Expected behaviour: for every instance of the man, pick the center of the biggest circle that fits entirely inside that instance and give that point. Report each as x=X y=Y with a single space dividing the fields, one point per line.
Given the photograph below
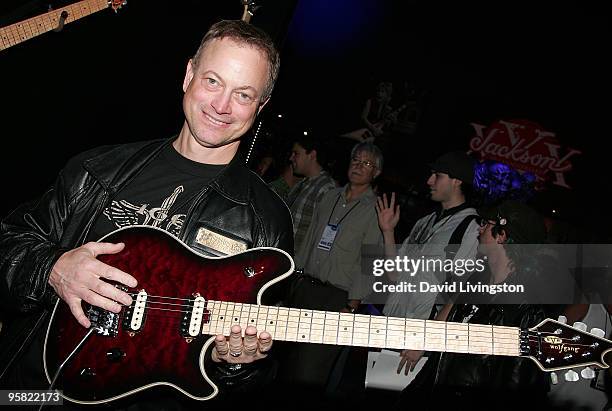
x=330 y=255
x=465 y=381
x=307 y=159
x=189 y=185
x=448 y=232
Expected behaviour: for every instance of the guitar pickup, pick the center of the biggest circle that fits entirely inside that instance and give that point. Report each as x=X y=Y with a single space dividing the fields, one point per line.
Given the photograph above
x=195 y=316
x=135 y=314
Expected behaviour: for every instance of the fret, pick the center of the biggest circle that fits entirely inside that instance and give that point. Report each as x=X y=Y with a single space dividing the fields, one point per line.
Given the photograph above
x=271 y=319
x=243 y=315
x=415 y=334
x=217 y=318
x=505 y=340
x=396 y=329
x=304 y=325
x=457 y=337
x=293 y=321
x=317 y=327
x=223 y=326
x=236 y=315
x=252 y=314
x=330 y=332
x=435 y=335
x=378 y=332
x=206 y=325
x=481 y=339
x=281 y=324
x=345 y=329
x=361 y=330
x=262 y=316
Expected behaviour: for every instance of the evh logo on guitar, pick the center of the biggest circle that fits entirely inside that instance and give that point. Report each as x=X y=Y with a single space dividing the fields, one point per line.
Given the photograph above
x=185 y=299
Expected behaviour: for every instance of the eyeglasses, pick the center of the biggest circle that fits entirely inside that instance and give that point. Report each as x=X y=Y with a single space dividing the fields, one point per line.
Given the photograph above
x=482 y=222
x=367 y=164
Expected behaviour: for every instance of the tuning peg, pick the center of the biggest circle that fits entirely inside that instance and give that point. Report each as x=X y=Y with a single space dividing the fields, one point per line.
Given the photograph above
x=554 y=379
x=571 y=376
x=598 y=332
x=562 y=319
x=587 y=373
x=580 y=326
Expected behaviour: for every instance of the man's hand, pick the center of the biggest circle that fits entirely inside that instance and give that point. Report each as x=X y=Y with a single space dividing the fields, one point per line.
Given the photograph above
x=76 y=276
x=236 y=349
x=409 y=358
x=388 y=213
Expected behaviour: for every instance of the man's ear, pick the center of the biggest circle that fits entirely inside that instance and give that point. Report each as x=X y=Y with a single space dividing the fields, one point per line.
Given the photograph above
x=188 y=75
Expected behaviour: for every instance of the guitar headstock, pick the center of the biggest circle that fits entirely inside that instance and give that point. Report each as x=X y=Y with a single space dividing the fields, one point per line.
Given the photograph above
x=557 y=346
x=250 y=6
x=117 y=4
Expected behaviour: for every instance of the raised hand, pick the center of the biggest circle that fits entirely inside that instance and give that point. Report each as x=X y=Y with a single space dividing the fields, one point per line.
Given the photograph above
x=409 y=359
x=388 y=213
x=77 y=276
x=236 y=349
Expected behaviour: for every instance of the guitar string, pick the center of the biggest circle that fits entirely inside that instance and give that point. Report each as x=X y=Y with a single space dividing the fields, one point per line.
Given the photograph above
x=148 y=306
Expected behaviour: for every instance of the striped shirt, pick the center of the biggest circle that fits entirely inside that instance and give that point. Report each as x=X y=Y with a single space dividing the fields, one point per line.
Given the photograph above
x=302 y=200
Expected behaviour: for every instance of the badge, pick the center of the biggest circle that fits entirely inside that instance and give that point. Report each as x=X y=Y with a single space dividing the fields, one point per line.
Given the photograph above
x=327 y=239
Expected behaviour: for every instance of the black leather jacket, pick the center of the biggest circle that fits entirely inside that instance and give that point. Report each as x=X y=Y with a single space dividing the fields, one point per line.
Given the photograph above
x=33 y=236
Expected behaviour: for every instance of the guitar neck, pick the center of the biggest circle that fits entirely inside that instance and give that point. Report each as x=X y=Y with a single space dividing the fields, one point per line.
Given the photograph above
x=35 y=26
x=328 y=327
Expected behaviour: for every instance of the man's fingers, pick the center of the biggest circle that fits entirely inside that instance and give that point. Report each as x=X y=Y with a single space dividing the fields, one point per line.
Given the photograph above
x=104 y=248
x=100 y=301
x=114 y=274
x=235 y=341
x=401 y=364
x=221 y=345
x=77 y=312
x=109 y=291
x=264 y=342
x=250 y=340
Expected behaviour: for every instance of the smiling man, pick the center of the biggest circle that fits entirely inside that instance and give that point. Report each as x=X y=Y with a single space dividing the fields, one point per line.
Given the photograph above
x=194 y=186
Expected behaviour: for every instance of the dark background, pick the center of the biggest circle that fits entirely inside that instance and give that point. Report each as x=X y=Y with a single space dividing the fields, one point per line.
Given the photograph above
x=110 y=78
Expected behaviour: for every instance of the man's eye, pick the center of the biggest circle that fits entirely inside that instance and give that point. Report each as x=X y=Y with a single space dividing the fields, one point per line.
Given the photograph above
x=211 y=81
x=244 y=97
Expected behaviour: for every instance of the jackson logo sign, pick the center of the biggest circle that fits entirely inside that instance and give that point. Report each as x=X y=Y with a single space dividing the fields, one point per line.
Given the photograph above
x=525 y=146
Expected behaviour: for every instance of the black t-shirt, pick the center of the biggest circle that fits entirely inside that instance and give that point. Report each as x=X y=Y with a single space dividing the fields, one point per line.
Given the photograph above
x=160 y=195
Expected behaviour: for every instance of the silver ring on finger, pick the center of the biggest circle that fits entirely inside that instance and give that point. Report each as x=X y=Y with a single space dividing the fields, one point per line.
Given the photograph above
x=235 y=354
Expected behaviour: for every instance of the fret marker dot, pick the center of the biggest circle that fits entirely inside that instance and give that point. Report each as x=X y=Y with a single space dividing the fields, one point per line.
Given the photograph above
x=271 y=322
x=252 y=321
x=303 y=336
x=221 y=317
x=414 y=334
x=377 y=331
x=344 y=328
x=235 y=318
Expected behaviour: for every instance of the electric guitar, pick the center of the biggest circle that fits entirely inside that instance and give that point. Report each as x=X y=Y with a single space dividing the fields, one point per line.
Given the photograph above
x=184 y=299
x=363 y=134
x=53 y=20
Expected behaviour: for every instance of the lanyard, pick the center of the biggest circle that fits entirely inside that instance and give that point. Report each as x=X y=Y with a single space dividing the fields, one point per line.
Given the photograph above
x=344 y=216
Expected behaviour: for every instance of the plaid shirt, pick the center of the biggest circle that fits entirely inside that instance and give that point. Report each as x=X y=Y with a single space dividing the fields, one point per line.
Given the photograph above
x=302 y=200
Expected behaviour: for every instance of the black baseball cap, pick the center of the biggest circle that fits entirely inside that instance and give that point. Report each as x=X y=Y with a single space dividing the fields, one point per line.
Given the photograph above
x=457 y=164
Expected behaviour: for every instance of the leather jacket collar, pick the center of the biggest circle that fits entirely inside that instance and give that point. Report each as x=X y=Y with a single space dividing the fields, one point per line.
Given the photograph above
x=230 y=182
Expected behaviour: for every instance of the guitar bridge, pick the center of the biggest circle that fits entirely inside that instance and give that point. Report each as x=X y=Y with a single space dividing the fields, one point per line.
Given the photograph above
x=105 y=323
